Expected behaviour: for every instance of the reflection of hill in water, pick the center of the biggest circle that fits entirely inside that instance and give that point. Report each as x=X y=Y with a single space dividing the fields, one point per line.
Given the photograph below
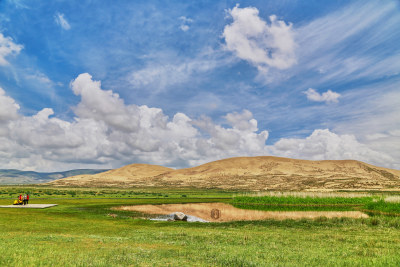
x=230 y=213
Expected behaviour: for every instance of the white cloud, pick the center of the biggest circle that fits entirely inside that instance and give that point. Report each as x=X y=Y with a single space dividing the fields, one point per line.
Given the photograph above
x=184 y=27
x=19 y=3
x=62 y=21
x=353 y=42
x=263 y=45
x=243 y=121
x=8 y=107
x=350 y=43
x=185 y=19
x=40 y=77
x=375 y=120
x=326 y=145
x=109 y=133
x=327 y=97
x=242 y=139
x=7 y=47
x=185 y=23
x=103 y=105
x=159 y=76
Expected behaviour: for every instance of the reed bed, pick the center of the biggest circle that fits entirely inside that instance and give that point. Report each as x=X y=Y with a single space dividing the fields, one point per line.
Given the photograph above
x=392 y=199
x=302 y=202
x=308 y=194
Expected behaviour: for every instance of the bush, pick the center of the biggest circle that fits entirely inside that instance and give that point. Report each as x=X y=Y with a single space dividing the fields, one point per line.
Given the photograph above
x=374 y=221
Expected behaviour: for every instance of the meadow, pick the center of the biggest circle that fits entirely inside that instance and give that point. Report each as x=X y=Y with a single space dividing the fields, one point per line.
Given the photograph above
x=292 y=203
x=83 y=231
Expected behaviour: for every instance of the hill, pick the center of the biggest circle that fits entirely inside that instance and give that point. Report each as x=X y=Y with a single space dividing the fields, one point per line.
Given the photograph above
x=10 y=176
x=130 y=175
x=249 y=173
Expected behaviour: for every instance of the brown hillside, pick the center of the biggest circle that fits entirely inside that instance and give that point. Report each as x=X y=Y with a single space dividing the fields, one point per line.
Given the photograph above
x=249 y=173
x=138 y=174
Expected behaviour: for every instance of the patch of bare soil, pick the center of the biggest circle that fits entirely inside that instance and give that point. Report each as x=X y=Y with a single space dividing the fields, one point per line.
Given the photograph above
x=221 y=212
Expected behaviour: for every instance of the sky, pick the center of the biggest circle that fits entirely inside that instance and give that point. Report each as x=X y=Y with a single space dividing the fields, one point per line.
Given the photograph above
x=103 y=84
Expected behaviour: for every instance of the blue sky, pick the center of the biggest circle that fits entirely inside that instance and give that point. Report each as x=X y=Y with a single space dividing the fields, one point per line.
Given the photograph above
x=94 y=84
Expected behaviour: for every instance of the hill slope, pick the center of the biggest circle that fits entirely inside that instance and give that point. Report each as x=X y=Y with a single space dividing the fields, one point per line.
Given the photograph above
x=29 y=177
x=249 y=173
x=133 y=174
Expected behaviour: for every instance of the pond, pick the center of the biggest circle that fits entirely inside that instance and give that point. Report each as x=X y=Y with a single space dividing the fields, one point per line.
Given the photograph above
x=222 y=212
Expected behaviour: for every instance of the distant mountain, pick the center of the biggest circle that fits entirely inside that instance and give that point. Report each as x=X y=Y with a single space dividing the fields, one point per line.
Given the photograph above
x=130 y=175
x=248 y=173
x=30 y=177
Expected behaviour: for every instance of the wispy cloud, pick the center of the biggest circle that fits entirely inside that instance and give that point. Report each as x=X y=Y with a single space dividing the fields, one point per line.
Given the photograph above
x=18 y=3
x=39 y=77
x=185 y=22
x=163 y=73
x=162 y=76
x=351 y=43
x=62 y=21
x=8 y=47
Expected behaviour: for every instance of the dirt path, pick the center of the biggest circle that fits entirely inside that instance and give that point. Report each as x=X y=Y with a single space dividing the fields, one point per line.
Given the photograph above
x=29 y=206
x=221 y=212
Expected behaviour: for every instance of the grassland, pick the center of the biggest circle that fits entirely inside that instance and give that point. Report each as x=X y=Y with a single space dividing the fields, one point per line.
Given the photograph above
x=292 y=203
x=80 y=232
x=369 y=203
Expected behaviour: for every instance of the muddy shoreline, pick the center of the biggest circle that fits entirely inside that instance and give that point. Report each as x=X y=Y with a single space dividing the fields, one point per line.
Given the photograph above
x=222 y=212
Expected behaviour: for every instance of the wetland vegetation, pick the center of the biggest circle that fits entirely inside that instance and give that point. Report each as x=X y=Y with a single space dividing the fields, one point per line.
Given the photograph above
x=80 y=231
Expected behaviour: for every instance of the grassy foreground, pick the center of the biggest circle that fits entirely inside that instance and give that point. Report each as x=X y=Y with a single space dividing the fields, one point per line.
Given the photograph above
x=79 y=232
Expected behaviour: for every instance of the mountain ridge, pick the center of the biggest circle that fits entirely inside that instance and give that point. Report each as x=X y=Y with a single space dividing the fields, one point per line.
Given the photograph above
x=14 y=176
x=248 y=173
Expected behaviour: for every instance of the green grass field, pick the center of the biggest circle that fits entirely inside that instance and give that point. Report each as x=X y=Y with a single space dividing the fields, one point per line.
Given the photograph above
x=293 y=203
x=79 y=232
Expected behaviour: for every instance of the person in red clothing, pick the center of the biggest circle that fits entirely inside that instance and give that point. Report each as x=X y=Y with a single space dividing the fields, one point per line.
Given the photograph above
x=20 y=197
x=27 y=198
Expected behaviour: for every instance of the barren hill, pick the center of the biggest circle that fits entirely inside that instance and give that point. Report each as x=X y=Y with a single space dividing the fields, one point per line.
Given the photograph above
x=133 y=174
x=249 y=173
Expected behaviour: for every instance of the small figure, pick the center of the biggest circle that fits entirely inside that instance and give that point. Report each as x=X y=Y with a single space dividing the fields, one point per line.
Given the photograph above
x=24 y=199
x=27 y=198
x=17 y=202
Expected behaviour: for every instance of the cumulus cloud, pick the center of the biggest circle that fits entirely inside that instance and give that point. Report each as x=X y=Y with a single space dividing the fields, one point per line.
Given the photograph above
x=327 y=97
x=240 y=139
x=376 y=120
x=185 y=22
x=107 y=132
x=323 y=144
x=7 y=47
x=103 y=105
x=8 y=107
x=62 y=21
x=263 y=45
